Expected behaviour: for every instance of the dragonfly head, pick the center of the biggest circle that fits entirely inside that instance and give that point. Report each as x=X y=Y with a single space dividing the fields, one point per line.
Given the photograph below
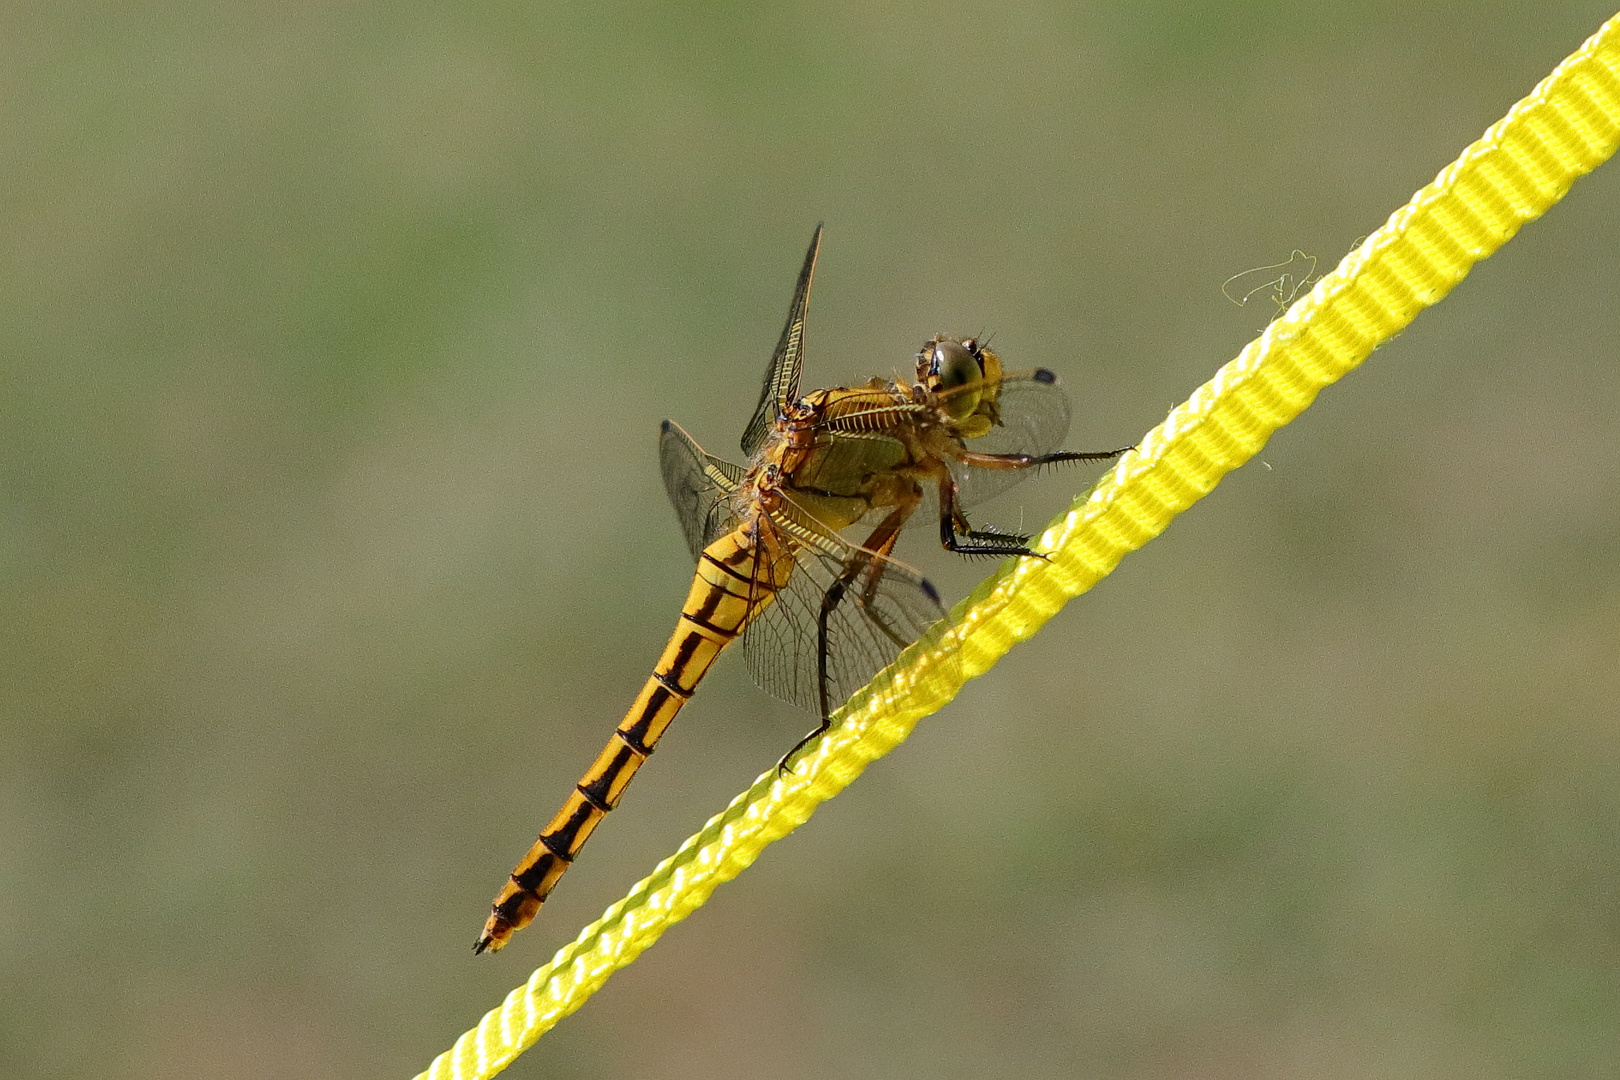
x=965 y=377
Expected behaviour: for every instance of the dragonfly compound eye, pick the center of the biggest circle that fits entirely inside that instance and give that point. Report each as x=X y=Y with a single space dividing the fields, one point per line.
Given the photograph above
x=954 y=373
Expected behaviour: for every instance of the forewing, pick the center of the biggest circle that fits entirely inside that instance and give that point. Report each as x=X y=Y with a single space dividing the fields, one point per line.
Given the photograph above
x=698 y=485
x=865 y=632
x=1034 y=420
x=782 y=376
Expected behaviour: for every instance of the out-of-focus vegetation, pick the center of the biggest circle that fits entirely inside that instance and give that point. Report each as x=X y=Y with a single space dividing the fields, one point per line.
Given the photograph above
x=335 y=339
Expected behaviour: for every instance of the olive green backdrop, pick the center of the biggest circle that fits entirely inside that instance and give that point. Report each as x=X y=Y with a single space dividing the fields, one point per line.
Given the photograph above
x=335 y=339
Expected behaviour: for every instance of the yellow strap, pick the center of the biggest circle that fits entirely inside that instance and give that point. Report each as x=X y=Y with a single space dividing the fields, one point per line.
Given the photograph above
x=1565 y=128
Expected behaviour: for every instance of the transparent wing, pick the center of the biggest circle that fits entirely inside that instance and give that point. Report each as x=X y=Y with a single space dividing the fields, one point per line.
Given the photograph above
x=782 y=376
x=699 y=486
x=1033 y=419
x=878 y=617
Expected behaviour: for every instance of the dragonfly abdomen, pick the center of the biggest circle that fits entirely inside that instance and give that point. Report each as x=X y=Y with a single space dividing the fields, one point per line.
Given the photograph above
x=735 y=580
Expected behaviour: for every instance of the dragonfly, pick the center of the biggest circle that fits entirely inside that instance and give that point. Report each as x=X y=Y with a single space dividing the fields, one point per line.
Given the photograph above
x=819 y=613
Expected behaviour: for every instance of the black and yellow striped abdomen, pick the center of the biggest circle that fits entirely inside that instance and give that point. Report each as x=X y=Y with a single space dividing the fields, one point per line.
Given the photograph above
x=736 y=578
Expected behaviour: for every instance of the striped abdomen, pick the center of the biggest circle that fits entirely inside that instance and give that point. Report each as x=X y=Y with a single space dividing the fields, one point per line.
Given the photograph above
x=734 y=581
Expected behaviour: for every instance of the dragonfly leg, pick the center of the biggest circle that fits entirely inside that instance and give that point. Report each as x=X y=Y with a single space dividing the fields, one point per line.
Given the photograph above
x=1035 y=461
x=871 y=555
x=829 y=603
x=874 y=571
x=963 y=528
x=954 y=531
x=782 y=766
x=956 y=535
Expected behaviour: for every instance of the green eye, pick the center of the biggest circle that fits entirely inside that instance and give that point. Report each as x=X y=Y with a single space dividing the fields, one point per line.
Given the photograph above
x=953 y=368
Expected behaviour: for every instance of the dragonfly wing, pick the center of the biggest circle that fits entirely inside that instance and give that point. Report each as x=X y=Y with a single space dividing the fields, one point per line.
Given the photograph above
x=699 y=487
x=782 y=376
x=1033 y=419
x=880 y=615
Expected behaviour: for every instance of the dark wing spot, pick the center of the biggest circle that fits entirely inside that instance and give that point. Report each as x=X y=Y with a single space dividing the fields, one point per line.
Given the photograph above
x=1044 y=376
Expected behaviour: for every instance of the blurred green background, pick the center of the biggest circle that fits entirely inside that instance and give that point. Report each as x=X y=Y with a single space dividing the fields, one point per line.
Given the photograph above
x=336 y=337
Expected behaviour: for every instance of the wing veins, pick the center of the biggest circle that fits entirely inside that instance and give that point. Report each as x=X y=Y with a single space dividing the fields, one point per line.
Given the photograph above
x=781 y=385
x=878 y=619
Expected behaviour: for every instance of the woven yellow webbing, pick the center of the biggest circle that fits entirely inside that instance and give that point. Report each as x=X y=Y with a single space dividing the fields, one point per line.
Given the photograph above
x=1524 y=163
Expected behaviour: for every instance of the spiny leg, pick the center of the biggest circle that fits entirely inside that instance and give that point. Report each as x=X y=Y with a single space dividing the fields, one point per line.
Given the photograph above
x=956 y=536
x=829 y=602
x=877 y=546
x=1034 y=461
x=963 y=528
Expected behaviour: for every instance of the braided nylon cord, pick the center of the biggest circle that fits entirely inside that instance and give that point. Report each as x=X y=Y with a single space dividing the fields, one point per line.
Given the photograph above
x=1523 y=164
